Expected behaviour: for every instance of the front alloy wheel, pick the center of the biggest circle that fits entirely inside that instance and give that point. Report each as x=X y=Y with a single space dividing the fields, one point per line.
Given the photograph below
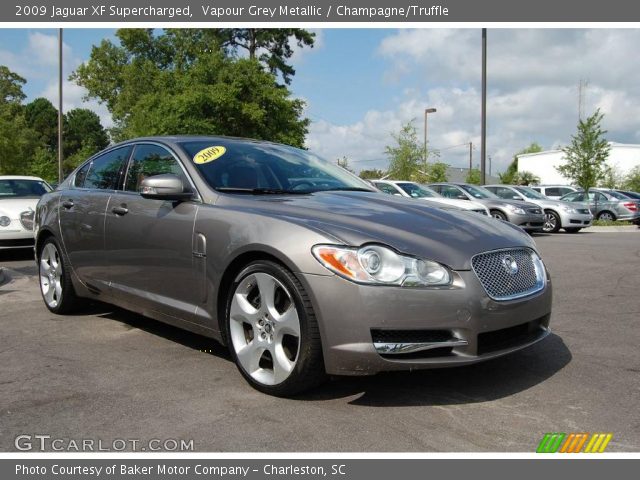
x=551 y=222
x=272 y=332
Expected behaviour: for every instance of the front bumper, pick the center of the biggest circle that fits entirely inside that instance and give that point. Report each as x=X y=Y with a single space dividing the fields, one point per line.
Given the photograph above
x=352 y=316
x=575 y=220
x=15 y=236
x=529 y=221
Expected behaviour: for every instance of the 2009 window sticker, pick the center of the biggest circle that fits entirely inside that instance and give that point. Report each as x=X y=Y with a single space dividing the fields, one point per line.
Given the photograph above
x=209 y=154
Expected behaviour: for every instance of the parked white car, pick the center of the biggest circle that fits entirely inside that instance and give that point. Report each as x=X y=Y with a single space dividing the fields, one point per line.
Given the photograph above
x=421 y=192
x=19 y=196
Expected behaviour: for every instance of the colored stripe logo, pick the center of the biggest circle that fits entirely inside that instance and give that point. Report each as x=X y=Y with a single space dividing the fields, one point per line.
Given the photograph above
x=574 y=443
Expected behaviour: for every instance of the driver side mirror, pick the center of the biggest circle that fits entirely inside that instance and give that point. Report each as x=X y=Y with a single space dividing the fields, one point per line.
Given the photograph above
x=166 y=186
x=462 y=197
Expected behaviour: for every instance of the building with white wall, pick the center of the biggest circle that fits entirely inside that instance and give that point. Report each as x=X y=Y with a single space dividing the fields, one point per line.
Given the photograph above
x=622 y=157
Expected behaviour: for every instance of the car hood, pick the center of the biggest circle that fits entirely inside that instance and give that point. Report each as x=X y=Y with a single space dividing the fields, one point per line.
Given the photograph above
x=415 y=228
x=15 y=206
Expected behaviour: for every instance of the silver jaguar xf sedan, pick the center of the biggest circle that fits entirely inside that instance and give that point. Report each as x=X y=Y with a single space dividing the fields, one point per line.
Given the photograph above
x=298 y=266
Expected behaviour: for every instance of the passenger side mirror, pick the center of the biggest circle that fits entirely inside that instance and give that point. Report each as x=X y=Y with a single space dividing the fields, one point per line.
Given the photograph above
x=462 y=197
x=164 y=187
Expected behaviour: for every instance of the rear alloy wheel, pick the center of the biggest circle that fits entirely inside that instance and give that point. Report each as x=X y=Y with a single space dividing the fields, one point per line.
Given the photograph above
x=607 y=216
x=272 y=331
x=55 y=283
x=551 y=222
x=499 y=215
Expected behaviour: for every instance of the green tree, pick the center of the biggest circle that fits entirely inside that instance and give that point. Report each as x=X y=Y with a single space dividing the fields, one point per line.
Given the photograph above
x=44 y=164
x=510 y=176
x=612 y=177
x=586 y=155
x=182 y=83
x=526 y=178
x=406 y=157
x=17 y=140
x=632 y=180
x=344 y=163
x=473 y=176
x=82 y=128
x=437 y=172
x=11 y=86
x=372 y=174
x=271 y=46
x=42 y=117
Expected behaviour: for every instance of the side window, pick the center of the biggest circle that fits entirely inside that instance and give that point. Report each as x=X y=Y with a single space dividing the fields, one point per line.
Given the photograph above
x=564 y=191
x=150 y=160
x=537 y=189
x=576 y=197
x=450 y=192
x=81 y=175
x=505 y=193
x=104 y=171
x=386 y=188
x=600 y=198
x=555 y=192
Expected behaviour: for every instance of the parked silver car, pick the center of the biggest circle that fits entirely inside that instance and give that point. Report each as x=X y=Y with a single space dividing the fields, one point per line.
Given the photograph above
x=416 y=191
x=294 y=263
x=571 y=216
x=526 y=215
x=607 y=204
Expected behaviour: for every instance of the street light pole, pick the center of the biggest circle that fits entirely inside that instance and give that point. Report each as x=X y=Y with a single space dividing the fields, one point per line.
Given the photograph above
x=426 y=112
x=59 y=106
x=483 y=147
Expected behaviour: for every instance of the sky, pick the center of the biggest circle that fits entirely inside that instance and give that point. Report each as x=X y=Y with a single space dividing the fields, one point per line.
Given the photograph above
x=362 y=85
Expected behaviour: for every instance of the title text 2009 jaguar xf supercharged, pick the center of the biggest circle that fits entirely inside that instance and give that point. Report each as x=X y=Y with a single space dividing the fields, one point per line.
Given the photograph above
x=297 y=265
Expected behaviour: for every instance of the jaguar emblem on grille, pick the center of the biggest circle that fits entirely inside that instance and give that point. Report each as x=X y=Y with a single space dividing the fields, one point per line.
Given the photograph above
x=509 y=264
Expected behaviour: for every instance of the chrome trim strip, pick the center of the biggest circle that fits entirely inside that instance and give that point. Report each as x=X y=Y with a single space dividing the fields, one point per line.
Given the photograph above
x=396 y=348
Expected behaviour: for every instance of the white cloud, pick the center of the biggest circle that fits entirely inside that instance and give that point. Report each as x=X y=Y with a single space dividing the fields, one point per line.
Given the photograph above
x=38 y=61
x=533 y=77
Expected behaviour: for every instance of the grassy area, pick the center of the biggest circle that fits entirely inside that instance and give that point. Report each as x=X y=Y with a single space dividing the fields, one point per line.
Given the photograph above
x=609 y=223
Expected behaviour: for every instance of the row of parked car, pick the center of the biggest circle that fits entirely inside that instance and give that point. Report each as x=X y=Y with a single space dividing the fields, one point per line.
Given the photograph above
x=528 y=207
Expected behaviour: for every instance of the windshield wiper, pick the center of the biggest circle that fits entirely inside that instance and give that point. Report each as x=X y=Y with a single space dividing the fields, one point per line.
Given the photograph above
x=345 y=189
x=260 y=191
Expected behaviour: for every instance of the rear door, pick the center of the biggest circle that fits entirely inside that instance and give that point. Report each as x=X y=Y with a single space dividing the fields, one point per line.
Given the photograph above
x=149 y=241
x=82 y=213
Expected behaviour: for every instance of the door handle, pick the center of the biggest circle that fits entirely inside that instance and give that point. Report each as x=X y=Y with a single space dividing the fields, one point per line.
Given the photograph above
x=120 y=210
x=67 y=204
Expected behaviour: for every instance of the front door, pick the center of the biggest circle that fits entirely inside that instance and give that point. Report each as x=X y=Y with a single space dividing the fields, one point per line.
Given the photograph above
x=149 y=242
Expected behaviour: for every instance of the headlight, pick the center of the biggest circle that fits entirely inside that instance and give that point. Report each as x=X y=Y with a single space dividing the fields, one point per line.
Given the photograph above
x=5 y=221
x=569 y=209
x=379 y=265
x=26 y=219
x=515 y=209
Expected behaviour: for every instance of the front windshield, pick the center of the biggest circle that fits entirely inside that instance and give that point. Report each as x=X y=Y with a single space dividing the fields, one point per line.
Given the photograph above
x=22 y=188
x=530 y=193
x=245 y=166
x=479 y=192
x=417 y=191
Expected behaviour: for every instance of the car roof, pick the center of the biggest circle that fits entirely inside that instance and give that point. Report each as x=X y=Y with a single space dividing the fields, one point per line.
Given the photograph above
x=20 y=177
x=194 y=138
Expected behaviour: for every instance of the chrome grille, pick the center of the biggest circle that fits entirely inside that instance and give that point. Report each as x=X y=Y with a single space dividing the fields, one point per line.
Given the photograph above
x=510 y=273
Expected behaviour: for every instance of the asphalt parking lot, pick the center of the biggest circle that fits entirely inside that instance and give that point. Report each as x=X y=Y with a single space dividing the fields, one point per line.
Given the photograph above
x=109 y=374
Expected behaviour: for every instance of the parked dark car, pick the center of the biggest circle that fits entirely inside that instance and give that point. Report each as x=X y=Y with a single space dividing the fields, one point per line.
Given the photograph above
x=300 y=267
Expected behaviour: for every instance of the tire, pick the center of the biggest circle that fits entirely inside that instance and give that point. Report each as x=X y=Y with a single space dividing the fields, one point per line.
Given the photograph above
x=54 y=274
x=499 y=215
x=607 y=215
x=272 y=332
x=551 y=222
x=572 y=230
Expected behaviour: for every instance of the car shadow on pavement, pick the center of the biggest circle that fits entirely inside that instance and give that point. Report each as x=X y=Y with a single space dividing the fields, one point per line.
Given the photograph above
x=477 y=383
x=154 y=327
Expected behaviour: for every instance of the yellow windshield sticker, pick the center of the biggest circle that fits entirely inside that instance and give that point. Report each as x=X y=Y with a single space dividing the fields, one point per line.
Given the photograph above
x=209 y=154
